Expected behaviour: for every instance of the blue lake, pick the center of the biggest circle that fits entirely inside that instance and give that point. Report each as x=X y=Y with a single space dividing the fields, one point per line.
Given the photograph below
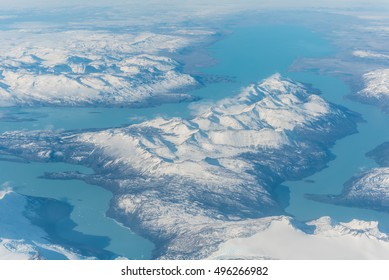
x=249 y=54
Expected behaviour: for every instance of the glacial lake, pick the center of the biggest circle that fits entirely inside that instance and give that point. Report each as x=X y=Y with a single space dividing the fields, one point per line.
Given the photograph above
x=249 y=55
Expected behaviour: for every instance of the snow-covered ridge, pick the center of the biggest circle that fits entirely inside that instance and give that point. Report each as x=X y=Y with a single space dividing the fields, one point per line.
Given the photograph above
x=318 y=239
x=374 y=185
x=377 y=84
x=376 y=88
x=81 y=68
x=190 y=185
x=206 y=148
x=367 y=190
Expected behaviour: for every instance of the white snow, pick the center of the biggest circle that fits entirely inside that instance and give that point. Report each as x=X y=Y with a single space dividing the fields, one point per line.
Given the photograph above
x=257 y=118
x=376 y=84
x=77 y=68
x=372 y=187
x=247 y=138
x=16 y=250
x=4 y=192
x=274 y=102
x=281 y=239
x=176 y=175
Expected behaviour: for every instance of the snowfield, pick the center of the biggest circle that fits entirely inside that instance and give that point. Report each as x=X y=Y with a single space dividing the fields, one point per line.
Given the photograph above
x=320 y=239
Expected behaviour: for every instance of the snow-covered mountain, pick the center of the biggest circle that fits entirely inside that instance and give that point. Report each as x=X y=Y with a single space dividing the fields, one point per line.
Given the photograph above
x=92 y=68
x=376 y=89
x=367 y=190
x=190 y=185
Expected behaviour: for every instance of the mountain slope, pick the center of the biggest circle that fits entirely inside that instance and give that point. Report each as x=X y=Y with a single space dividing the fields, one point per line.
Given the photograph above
x=211 y=176
x=92 y=68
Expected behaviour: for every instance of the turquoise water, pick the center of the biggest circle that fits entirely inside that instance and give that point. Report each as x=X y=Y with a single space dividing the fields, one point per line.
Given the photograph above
x=251 y=54
x=254 y=53
x=89 y=202
x=248 y=55
x=350 y=159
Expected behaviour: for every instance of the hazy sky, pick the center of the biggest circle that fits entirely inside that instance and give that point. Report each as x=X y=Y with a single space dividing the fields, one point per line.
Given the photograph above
x=4 y=4
x=147 y=12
